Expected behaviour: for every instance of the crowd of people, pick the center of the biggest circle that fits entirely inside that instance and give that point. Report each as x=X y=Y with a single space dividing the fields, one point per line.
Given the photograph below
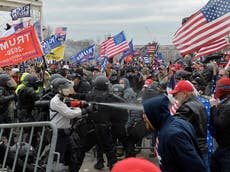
x=185 y=111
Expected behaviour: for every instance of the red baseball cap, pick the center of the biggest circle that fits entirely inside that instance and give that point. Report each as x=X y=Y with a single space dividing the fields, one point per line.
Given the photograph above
x=222 y=87
x=135 y=164
x=182 y=86
x=148 y=82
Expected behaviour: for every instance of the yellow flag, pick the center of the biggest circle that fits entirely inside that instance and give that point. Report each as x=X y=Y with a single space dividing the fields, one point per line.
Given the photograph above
x=56 y=53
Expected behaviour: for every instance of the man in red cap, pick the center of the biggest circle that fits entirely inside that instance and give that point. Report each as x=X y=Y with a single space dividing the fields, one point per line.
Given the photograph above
x=221 y=120
x=135 y=164
x=193 y=111
x=148 y=83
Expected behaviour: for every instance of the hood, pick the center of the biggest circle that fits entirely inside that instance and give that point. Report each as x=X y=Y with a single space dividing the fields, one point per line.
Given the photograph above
x=157 y=110
x=126 y=82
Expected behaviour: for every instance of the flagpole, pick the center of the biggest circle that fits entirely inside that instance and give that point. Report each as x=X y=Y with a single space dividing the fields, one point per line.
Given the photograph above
x=44 y=67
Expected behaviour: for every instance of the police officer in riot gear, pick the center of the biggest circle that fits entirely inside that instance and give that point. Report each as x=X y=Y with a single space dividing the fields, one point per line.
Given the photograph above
x=81 y=86
x=61 y=115
x=7 y=97
x=98 y=132
x=27 y=97
x=43 y=103
x=110 y=122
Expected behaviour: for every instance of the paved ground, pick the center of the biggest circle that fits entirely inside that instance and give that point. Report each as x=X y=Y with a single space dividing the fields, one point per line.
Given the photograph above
x=88 y=164
x=90 y=161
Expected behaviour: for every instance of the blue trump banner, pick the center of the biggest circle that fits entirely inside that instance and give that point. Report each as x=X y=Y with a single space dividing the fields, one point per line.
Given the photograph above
x=84 y=55
x=104 y=64
x=50 y=43
x=20 y=12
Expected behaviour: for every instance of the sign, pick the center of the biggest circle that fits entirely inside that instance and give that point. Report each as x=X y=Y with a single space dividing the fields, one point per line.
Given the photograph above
x=20 y=12
x=56 y=54
x=19 y=47
x=84 y=55
x=50 y=43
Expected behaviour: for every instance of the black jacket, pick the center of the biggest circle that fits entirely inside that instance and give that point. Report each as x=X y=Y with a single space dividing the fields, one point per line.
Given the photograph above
x=220 y=117
x=83 y=89
x=108 y=114
x=193 y=110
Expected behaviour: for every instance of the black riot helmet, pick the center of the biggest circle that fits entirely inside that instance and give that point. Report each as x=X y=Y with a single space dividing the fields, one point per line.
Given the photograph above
x=62 y=86
x=102 y=83
x=7 y=81
x=22 y=148
x=31 y=80
x=54 y=76
x=118 y=89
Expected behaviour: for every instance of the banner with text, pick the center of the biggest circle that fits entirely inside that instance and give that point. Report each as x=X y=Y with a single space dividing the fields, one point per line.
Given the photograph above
x=20 y=12
x=50 y=43
x=19 y=47
x=84 y=55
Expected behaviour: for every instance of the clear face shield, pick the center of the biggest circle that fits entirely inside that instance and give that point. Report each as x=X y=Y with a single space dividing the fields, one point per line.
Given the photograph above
x=11 y=83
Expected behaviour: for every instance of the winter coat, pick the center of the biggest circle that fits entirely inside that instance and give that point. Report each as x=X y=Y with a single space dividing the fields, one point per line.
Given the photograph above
x=178 y=150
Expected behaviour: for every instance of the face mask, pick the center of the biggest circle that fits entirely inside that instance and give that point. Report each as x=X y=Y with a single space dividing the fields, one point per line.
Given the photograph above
x=122 y=86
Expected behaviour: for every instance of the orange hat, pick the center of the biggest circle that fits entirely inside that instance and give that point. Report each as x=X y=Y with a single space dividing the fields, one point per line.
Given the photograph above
x=135 y=164
x=182 y=86
x=222 y=87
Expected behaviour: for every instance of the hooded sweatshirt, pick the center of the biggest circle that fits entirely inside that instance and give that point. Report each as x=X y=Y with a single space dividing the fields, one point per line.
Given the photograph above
x=178 y=150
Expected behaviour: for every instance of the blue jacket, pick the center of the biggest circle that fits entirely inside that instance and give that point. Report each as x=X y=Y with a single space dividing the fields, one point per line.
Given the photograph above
x=178 y=150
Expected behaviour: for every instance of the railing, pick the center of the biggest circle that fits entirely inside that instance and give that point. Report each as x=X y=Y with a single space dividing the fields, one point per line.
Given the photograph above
x=22 y=142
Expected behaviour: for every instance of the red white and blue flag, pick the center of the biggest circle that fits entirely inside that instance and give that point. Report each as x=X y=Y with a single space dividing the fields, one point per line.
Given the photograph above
x=212 y=48
x=114 y=46
x=209 y=24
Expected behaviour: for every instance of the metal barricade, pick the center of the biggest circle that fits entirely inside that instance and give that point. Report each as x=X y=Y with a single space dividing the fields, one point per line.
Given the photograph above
x=28 y=147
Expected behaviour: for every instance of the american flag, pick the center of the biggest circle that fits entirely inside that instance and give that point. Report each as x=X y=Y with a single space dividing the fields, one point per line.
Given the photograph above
x=209 y=24
x=114 y=45
x=151 y=49
x=213 y=47
x=127 y=53
x=174 y=108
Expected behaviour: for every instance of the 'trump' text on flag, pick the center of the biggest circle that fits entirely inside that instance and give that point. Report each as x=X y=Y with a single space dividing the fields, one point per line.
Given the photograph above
x=19 y=47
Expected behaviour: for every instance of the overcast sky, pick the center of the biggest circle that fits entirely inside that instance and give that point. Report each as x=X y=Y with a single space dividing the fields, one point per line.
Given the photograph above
x=142 y=20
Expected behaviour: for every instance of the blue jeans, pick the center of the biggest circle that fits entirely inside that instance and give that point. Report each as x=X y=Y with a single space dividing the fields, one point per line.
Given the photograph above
x=220 y=161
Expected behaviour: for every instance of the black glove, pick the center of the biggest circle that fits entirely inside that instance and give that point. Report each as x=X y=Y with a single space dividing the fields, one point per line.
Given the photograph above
x=88 y=109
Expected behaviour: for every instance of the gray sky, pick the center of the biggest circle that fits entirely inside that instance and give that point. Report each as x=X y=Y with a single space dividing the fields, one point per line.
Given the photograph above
x=141 y=20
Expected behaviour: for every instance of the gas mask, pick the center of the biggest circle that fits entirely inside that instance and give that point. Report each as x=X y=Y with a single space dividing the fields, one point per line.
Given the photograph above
x=67 y=90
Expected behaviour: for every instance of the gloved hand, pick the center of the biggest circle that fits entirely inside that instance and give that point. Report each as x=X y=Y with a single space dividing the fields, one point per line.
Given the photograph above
x=77 y=103
x=88 y=109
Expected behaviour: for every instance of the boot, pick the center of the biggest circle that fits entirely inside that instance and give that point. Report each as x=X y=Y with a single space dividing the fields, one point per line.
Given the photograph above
x=99 y=165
